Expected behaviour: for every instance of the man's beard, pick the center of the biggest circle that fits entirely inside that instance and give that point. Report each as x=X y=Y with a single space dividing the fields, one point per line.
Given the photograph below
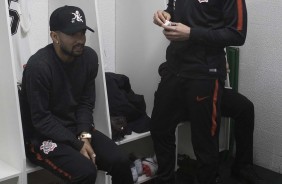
x=71 y=53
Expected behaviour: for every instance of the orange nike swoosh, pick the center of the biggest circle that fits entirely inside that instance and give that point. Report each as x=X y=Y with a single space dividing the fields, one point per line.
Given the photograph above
x=201 y=98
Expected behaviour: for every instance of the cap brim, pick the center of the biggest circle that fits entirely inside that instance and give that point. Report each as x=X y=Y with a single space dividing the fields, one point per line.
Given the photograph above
x=90 y=29
x=76 y=29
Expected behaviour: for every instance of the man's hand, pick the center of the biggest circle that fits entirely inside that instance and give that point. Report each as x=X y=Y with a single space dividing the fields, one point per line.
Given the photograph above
x=176 y=32
x=160 y=17
x=87 y=150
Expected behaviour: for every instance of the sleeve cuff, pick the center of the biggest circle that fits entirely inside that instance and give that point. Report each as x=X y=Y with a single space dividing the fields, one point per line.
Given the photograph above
x=198 y=34
x=83 y=128
x=77 y=144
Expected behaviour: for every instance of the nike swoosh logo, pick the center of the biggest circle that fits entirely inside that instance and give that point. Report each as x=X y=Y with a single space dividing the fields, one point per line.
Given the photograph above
x=201 y=98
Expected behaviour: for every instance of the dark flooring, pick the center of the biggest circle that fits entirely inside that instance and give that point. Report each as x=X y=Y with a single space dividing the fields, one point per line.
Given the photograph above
x=270 y=177
x=44 y=177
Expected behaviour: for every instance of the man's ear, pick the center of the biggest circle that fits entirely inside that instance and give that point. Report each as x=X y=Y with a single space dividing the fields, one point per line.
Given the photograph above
x=54 y=37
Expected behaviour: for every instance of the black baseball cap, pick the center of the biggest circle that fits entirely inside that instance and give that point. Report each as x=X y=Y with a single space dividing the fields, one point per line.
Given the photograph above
x=68 y=19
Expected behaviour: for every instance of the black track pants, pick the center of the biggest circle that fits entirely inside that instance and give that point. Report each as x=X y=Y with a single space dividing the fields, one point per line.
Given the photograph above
x=178 y=99
x=70 y=165
x=241 y=109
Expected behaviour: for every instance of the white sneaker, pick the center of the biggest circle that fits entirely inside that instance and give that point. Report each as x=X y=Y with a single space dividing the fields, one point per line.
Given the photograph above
x=150 y=168
x=138 y=165
x=134 y=173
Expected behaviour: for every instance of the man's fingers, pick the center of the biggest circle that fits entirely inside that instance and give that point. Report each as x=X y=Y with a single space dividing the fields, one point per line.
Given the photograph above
x=160 y=17
x=169 y=28
x=86 y=155
x=157 y=20
x=93 y=155
x=93 y=158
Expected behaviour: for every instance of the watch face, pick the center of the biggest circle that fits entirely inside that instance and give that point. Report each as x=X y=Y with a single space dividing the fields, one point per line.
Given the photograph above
x=83 y=136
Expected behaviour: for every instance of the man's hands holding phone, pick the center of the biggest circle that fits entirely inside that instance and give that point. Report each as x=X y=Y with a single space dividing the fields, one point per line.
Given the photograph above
x=160 y=17
x=173 y=31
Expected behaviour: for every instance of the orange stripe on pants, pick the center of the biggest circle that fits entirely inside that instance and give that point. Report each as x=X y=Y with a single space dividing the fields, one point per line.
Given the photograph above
x=240 y=15
x=214 y=109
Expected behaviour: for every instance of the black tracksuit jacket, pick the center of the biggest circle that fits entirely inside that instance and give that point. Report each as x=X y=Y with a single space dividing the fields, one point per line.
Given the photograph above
x=214 y=24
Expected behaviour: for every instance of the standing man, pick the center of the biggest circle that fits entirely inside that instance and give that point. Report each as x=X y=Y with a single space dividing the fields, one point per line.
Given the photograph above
x=57 y=102
x=194 y=79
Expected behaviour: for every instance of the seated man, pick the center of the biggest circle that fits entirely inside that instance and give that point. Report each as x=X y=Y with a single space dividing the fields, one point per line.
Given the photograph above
x=241 y=109
x=57 y=102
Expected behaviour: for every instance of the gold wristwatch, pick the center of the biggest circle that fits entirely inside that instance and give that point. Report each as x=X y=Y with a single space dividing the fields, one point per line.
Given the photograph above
x=84 y=135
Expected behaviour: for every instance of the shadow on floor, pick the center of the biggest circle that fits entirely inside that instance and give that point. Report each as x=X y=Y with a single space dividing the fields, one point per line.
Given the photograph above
x=269 y=176
x=187 y=177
